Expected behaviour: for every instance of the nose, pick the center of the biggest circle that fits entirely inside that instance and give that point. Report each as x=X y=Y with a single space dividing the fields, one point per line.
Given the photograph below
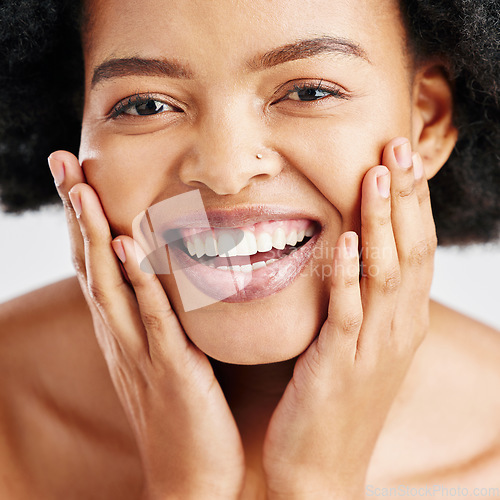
x=228 y=152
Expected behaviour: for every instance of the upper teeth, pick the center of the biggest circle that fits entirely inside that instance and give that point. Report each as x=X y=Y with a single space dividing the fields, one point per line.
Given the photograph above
x=224 y=244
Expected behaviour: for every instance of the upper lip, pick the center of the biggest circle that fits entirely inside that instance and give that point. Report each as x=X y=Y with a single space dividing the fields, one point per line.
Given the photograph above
x=237 y=217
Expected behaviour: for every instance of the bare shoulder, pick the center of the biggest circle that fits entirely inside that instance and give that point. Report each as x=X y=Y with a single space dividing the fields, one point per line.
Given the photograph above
x=471 y=348
x=56 y=396
x=461 y=361
x=466 y=355
x=54 y=302
x=35 y=328
x=48 y=347
x=446 y=417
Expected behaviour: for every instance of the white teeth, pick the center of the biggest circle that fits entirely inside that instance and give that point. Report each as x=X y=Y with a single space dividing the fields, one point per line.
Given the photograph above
x=251 y=242
x=292 y=238
x=242 y=246
x=191 y=248
x=279 y=239
x=226 y=245
x=258 y=265
x=210 y=246
x=247 y=268
x=309 y=230
x=264 y=242
x=247 y=245
x=199 y=246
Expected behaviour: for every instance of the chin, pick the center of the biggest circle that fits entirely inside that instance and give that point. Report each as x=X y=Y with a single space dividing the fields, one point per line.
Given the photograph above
x=273 y=329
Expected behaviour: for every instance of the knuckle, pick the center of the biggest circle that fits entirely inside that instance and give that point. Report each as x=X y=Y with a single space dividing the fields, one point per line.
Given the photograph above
x=151 y=321
x=375 y=220
x=351 y=279
x=420 y=252
x=382 y=220
x=97 y=294
x=406 y=191
x=390 y=281
x=351 y=323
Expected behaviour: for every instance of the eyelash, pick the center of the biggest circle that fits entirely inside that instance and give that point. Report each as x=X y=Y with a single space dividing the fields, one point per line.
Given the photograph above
x=139 y=99
x=333 y=91
x=134 y=101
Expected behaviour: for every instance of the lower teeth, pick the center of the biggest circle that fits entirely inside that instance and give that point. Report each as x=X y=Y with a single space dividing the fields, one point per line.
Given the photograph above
x=247 y=268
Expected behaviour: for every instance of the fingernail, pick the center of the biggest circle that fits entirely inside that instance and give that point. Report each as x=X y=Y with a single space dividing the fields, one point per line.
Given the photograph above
x=351 y=245
x=57 y=170
x=76 y=202
x=119 y=250
x=418 y=167
x=402 y=152
x=384 y=184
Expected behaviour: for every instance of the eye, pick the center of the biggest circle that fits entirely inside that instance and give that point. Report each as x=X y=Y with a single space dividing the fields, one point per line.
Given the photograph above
x=308 y=92
x=149 y=107
x=140 y=105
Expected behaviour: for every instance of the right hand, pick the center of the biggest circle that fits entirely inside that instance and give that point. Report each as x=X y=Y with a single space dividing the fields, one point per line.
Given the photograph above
x=186 y=434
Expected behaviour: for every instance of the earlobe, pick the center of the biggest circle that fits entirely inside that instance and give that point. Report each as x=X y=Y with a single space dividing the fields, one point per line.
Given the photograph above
x=434 y=134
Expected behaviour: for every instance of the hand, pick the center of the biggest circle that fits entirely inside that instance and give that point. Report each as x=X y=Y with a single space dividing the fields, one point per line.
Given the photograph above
x=322 y=433
x=188 y=440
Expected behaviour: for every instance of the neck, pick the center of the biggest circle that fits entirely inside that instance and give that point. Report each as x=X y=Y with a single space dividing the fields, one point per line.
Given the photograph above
x=252 y=393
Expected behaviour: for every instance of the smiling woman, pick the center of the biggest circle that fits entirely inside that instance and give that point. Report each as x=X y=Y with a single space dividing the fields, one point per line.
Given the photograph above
x=251 y=227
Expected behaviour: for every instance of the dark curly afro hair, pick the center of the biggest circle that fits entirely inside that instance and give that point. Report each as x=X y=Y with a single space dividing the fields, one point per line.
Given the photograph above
x=41 y=82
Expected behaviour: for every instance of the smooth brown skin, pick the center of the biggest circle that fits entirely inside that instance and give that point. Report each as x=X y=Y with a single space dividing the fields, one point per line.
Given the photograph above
x=51 y=358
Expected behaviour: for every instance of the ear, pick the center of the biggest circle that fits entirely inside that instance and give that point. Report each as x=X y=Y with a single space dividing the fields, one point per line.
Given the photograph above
x=433 y=133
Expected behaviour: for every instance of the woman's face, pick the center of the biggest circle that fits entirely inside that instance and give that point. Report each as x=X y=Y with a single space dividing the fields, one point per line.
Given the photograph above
x=316 y=88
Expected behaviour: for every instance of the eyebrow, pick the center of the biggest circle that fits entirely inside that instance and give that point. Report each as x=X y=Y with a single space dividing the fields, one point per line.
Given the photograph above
x=302 y=49
x=136 y=66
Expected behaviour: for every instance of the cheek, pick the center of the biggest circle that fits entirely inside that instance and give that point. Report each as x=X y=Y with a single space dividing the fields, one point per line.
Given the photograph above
x=335 y=152
x=129 y=173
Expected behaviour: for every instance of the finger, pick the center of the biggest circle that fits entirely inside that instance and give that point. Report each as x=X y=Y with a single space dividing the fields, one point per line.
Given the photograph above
x=106 y=286
x=339 y=335
x=165 y=336
x=414 y=250
x=415 y=247
x=67 y=172
x=381 y=273
x=424 y=198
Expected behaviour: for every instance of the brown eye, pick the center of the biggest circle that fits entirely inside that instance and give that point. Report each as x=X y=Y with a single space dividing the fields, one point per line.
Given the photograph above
x=311 y=93
x=148 y=107
x=308 y=94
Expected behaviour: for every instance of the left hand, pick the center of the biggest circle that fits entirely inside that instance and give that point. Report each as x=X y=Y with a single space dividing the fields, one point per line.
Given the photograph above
x=322 y=433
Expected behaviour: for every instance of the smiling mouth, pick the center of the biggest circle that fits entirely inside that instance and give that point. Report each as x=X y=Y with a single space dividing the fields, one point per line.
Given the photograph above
x=241 y=263
x=248 y=248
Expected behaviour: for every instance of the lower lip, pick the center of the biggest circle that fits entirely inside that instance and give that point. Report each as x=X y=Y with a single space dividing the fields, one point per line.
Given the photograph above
x=237 y=286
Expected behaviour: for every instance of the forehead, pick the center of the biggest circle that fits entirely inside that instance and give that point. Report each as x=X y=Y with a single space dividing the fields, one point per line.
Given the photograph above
x=226 y=33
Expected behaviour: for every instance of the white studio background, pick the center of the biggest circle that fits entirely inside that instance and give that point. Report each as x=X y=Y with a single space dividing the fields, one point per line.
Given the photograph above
x=34 y=251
